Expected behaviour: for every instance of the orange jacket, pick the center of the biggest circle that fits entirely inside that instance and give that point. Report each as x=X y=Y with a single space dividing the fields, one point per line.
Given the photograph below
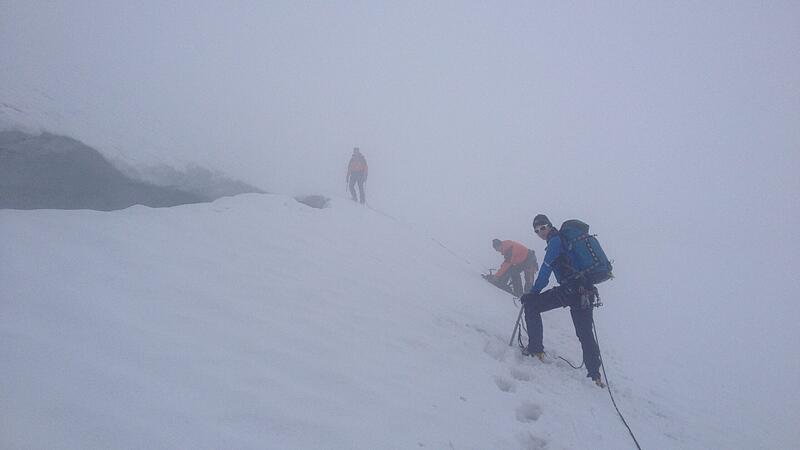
x=514 y=253
x=357 y=164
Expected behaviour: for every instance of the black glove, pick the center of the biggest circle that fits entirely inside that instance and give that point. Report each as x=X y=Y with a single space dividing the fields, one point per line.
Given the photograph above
x=528 y=297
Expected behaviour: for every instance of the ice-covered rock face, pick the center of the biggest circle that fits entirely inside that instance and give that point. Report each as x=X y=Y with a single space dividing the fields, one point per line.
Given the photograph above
x=49 y=171
x=57 y=172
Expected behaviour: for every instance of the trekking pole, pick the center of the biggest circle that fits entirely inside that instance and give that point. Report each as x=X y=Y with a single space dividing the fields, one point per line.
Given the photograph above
x=516 y=326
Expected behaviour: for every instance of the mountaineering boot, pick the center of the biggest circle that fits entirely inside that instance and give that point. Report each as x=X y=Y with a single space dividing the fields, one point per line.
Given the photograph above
x=526 y=352
x=599 y=382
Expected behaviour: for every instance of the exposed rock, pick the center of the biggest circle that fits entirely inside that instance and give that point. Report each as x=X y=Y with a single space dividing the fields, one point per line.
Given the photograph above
x=314 y=201
x=58 y=172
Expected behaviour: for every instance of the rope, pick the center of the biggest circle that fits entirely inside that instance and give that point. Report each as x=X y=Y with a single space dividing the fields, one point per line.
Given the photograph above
x=521 y=345
x=521 y=327
x=570 y=364
x=608 y=386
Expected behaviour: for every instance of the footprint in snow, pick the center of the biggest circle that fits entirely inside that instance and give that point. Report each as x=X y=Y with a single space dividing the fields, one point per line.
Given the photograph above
x=496 y=350
x=528 y=441
x=505 y=385
x=522 y=373
x=529 y=412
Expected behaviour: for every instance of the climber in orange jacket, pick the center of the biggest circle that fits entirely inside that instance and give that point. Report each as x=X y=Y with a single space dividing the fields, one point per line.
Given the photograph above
x=357 y=172
x=517 y=259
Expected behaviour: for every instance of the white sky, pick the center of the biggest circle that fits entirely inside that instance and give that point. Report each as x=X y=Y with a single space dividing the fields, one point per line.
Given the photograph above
x=688 y=106
x=669 y=126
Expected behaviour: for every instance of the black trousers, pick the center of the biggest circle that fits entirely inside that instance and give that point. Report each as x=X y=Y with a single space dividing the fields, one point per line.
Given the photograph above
x=514 y=273
x=528 y=267
x=357 y=177
x=563 y=296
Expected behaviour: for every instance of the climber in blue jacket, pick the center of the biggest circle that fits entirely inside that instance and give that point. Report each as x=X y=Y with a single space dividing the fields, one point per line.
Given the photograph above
x=570 y=294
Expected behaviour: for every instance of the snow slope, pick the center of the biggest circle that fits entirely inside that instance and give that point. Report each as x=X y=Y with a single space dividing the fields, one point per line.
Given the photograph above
x=258 y=322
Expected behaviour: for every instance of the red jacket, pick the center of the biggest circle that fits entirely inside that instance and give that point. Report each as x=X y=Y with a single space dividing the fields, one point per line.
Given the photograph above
x=357 y=164
x=514 y=253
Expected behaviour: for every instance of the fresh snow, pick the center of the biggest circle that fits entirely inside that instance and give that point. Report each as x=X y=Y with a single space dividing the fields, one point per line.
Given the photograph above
x=258 y=322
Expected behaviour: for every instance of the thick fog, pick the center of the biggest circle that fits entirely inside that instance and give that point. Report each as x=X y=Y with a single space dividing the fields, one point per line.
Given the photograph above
x=673 y=128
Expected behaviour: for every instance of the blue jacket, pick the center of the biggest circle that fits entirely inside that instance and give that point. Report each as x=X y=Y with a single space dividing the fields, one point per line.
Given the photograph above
x=553 y=251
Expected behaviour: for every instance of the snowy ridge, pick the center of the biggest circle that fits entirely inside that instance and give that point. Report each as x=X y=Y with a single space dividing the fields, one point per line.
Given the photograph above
x=258 y=322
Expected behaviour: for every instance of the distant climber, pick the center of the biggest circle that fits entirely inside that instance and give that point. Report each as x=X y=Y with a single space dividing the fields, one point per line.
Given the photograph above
x=517 y=259
x=357 y=171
